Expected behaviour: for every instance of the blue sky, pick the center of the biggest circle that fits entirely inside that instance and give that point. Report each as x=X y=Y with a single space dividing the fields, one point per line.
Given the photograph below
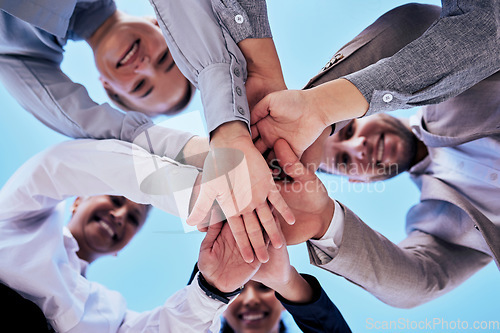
x=159 y=261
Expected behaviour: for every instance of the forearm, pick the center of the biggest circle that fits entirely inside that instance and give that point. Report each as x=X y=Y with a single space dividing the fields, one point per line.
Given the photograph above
x=422 y=72
x=413 y=272
x=65 y=106
x=208 y=56
x=295 y=290
x=319 y=314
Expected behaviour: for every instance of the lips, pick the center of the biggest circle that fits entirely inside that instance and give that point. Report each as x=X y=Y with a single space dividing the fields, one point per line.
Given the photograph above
x=252 y=317
x=130 y=55
x=108 y=227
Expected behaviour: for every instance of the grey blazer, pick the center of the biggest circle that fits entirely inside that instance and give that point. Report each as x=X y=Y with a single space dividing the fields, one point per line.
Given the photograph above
x=423 y=266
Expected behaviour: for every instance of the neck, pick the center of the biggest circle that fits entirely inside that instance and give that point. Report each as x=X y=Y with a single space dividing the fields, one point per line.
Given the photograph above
x=103 y=29
x=83 y=252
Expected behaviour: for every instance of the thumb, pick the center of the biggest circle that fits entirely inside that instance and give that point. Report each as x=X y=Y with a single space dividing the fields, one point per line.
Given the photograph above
x=201 y=208
x=260 y=110
x=212 y=234
x=288 y=160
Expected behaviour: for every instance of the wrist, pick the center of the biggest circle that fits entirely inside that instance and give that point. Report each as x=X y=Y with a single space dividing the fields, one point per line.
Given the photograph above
x=228 y=132
x=326 y=218
x=296 y=289
x=213 y=292
x=338 y=100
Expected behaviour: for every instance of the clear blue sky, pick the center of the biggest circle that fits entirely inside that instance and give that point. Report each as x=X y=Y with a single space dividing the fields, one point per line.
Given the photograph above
x=159 y=261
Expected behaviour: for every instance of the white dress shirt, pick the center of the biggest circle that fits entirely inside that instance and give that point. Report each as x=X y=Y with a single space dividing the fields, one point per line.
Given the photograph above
x=38 y=255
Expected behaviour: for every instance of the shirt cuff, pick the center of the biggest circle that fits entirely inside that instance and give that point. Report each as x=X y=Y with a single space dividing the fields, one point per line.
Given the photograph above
x=329 y=244
x=223 y=94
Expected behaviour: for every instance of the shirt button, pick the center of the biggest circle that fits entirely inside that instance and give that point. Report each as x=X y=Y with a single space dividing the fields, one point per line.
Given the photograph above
x=475 y=226
x=494 y=176
x=236 y=72
x=239 y=19
x=238 y=91
x=241 y=110
x=387 y=98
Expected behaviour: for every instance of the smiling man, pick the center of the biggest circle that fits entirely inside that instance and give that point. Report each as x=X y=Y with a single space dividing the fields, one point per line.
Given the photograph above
x=45 y=261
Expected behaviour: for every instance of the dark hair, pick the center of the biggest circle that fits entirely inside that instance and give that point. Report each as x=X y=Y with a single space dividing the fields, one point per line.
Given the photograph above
x=227 y=329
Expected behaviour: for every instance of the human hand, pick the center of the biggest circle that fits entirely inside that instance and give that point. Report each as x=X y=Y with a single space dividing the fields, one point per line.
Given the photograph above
x=263 y=67
x=290 y=115
x=306 y=196
x=220 y=260
x=236 y=175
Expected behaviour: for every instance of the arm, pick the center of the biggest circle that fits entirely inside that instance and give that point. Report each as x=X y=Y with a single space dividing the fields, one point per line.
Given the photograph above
x=65 y=106
x=417 y=270
x=208 y=56
x=420 y=73
x=318 y=314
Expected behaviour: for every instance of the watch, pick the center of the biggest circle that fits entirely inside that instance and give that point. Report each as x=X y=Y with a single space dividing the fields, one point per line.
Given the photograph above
x=215 y=293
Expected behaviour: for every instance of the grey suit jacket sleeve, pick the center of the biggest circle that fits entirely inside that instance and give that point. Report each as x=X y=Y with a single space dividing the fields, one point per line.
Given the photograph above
x=65 y=106
x=415 y=271
x=460 y=49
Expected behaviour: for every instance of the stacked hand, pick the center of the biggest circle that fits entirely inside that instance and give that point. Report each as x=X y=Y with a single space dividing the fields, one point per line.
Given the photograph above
x=237 y=176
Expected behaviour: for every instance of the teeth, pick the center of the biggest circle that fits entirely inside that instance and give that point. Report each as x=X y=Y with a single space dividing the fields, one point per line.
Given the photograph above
x=253 y=316
x=380 y=150
x=130 y=54
x=107 y=228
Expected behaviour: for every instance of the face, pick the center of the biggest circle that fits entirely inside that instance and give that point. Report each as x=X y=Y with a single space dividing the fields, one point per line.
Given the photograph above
x=255 y=310
x=105 y=224
x=371 y=148
x=137 y=67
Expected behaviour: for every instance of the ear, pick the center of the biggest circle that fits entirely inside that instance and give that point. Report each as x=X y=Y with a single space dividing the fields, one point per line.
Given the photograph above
x=75 y=205
x=152 y=20
x=105 y=83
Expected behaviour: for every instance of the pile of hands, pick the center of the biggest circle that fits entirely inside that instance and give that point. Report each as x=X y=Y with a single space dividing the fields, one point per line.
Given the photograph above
x=259 y=191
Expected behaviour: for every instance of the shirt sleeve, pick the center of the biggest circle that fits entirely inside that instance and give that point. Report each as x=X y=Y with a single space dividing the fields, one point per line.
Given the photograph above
x=47 y=93
x=420 y=268
x=319 y=315
x=327 y=246
x=243 y=18
x=460 y=49
x=208 y=56
x=47 y=270
x=91 y=167
x=188 y=310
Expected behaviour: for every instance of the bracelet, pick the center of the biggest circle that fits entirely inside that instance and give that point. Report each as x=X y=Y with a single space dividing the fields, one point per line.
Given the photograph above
x=215 y=293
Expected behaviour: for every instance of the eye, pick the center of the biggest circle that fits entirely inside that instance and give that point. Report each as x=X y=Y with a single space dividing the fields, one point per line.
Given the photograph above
x=163 y=57
x=139 y=85
x=133 y=219
x=117 y=201
x=349 y=131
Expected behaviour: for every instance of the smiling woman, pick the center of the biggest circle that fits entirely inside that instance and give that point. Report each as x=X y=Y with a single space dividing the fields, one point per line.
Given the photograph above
x=105 y=224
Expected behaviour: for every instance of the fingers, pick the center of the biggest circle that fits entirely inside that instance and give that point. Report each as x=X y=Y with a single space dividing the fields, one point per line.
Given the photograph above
x=256 y=237
x=241 y=238
x=288 y=160
x=254 y=131
x=261 y=146
x=280 y=206
x=201 y=208
x=270 y=226
x=212 y=234
x=260 y=110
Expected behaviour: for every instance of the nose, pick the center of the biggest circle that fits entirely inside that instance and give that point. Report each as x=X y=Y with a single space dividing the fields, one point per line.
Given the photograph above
x=250 y=296
x=357 y=147
x=144 y=66
x=119 y=215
